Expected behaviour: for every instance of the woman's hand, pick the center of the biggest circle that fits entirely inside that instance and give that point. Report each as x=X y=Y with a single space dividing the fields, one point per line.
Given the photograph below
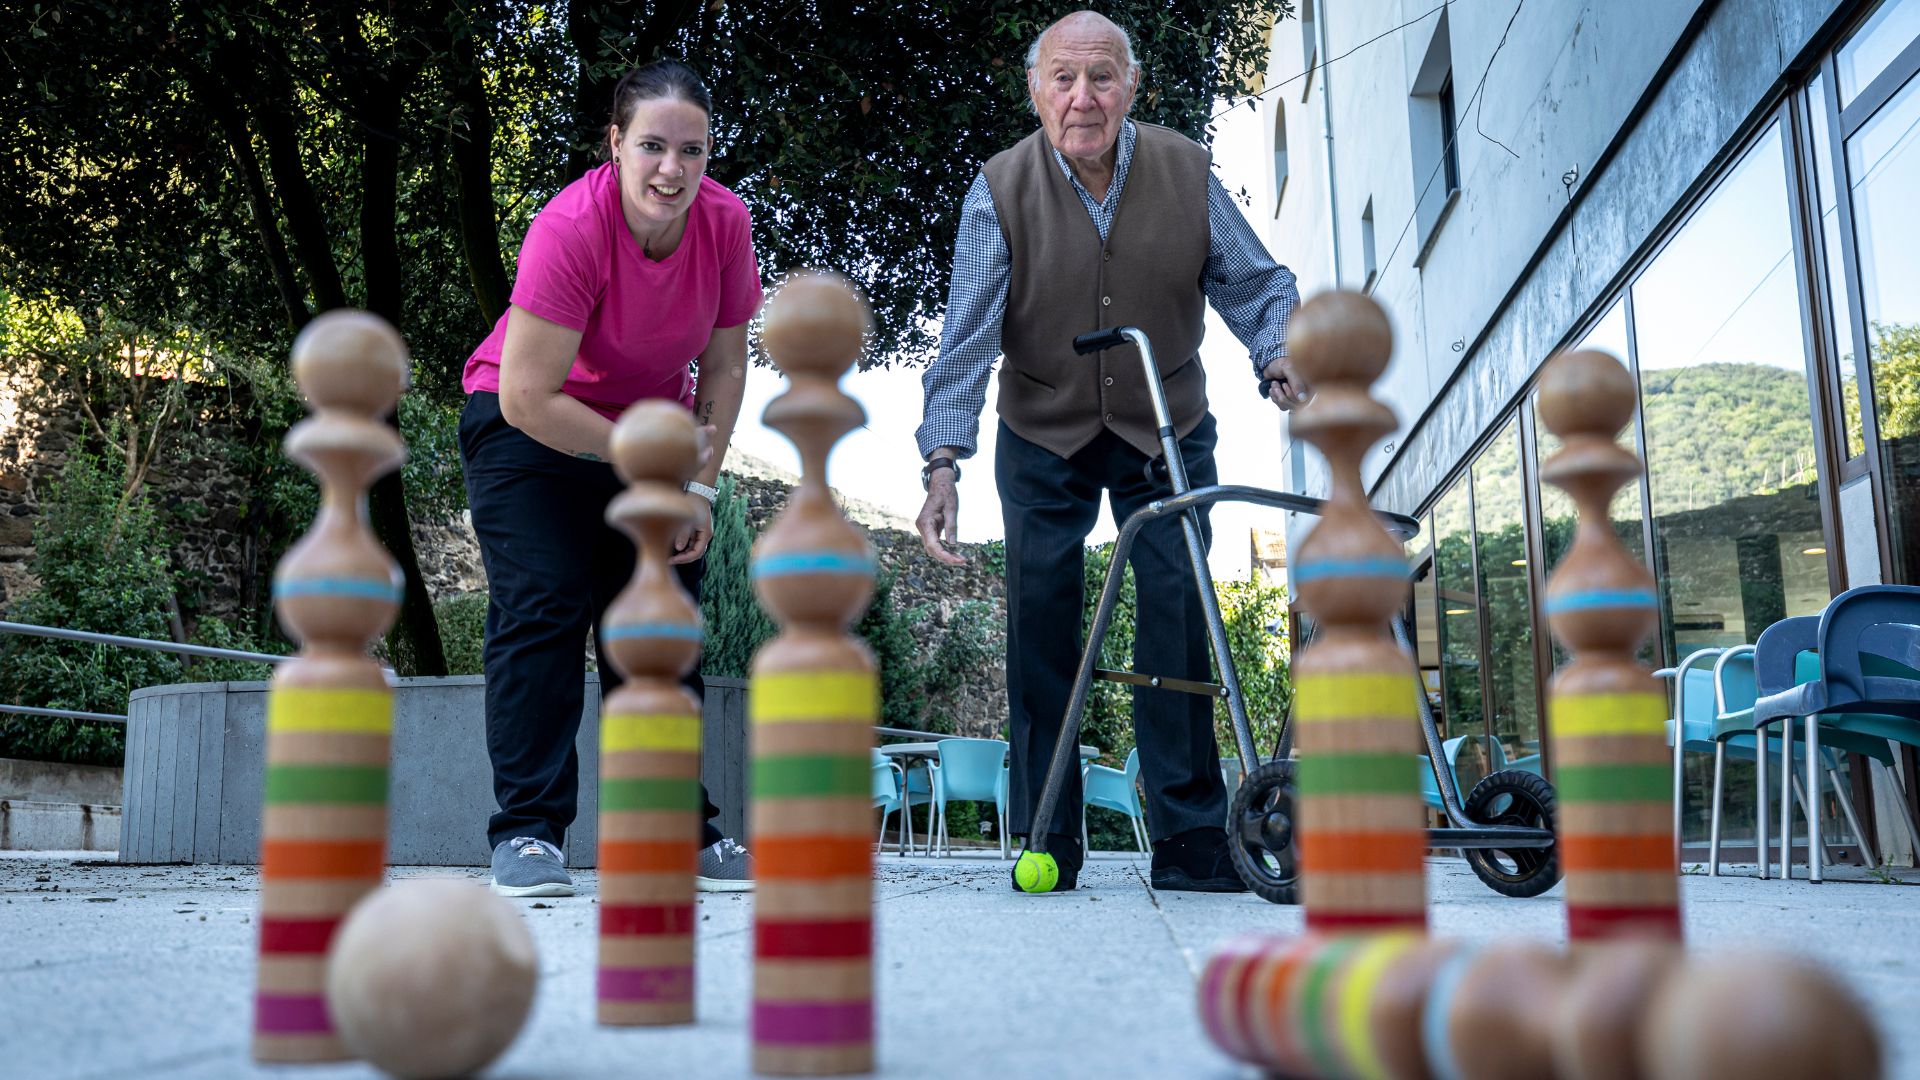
x=692 y=542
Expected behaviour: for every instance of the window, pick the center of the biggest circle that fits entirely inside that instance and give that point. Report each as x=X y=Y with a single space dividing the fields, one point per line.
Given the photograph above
x=1883 y=168
x=1738 y=540
x=1366 y=247
x=1876 y=45
x=1309 y=46
x=1279 y=155
x=1506 y=598
x=1463 y=703
x=1430 y=125
x=1847 y=350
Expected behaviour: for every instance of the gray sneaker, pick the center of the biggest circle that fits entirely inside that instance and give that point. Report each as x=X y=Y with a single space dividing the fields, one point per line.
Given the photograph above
x=524 y=866
x=725 y=866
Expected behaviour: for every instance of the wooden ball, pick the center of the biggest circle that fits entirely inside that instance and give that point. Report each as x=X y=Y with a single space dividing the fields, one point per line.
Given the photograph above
x=1586 y=393
x=431 y=978
x=1757 y=1016
x=656 y=440
x=815 y=325
x=1606 y=1005
x=1340 y=336
x=351 y=360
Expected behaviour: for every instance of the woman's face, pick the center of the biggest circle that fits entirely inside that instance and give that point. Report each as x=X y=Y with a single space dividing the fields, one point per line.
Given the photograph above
x=662 y=153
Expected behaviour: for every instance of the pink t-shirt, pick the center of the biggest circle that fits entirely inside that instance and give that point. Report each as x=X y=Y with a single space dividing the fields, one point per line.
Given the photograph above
x=641 y=322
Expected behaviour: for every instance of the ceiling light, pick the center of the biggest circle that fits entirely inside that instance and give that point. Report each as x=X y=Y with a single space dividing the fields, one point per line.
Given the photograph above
x=1815 y=551
x=1459 y=611
x=1519 y=562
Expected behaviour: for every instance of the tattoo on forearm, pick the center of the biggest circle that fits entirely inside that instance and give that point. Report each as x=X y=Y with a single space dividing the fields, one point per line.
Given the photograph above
x=706 y=414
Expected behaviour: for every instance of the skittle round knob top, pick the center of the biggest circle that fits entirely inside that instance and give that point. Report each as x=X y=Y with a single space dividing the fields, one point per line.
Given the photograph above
x=1339 y=336
x=350 y=360
x=815 y=325
x=1586 y=393
x=656 y=441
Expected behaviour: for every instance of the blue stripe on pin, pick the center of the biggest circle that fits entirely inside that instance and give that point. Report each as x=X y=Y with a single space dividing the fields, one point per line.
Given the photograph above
x=357 y=588
x=1591 y=599
x=1322 y=569
x=812 y=562
x=675 y=631
x=1433 y=1019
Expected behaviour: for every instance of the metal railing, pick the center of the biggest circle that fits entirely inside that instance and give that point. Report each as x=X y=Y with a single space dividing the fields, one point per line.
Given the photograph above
x=206 y=651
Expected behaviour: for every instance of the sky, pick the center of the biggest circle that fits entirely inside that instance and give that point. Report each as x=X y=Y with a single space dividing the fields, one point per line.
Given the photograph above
x=880 y=463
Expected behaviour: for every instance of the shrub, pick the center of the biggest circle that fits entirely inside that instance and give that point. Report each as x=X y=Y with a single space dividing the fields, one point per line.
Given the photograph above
x=102 y=567
x=1256 y=617
x=735 y=623
x=463 y=625
x=888 y=631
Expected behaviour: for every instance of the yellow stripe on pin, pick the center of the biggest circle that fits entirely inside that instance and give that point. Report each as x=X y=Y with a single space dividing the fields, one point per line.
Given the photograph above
x=852 y=696
x=354 y=711
x=649 y=732
x=1577 y=715
x=1357 y=992
x=1330 y=698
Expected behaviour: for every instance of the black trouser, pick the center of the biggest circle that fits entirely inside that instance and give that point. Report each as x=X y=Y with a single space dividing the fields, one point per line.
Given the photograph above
x=553 y=566
x=1050 y=503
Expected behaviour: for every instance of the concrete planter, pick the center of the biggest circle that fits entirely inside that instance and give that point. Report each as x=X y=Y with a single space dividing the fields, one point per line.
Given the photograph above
x=196 y=759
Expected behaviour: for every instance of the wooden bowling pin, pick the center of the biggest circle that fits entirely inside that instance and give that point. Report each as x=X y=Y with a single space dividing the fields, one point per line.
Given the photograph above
x=1613 y=772
x=1325 y=1007
x=323 y=826
x=650 y=734
x=813 y=698
x=1363 y=841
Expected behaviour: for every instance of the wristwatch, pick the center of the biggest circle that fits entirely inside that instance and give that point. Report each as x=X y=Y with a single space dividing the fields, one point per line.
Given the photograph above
x=926 y=471
x=702 y=490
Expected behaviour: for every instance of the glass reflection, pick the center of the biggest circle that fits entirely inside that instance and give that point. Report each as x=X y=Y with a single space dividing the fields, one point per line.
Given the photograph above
x=1459 y=626
x=1848 y=339
x=1872 y=47
x=1506 y=601
x=1885 y=170
x=1723 y=380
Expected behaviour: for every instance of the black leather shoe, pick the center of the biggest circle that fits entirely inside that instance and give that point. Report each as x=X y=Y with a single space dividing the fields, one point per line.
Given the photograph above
x=1066 y=855
x=1195 y=861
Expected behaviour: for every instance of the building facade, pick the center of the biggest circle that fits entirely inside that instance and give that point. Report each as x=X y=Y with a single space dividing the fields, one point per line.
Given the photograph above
x=1718 y=192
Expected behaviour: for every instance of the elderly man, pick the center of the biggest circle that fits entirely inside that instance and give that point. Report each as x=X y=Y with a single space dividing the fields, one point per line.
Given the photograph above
x=1097 y=221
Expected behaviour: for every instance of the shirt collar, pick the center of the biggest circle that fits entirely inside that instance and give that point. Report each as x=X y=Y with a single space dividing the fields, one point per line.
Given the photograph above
x=1121 y=161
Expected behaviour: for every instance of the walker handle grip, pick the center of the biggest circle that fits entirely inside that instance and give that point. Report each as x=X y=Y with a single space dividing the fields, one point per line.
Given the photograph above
x=1096 y=340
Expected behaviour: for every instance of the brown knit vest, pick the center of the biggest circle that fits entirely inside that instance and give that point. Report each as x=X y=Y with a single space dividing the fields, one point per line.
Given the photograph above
x=1065 y=284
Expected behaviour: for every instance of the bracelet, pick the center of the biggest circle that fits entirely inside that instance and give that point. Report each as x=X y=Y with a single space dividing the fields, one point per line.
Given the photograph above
x=703 y=490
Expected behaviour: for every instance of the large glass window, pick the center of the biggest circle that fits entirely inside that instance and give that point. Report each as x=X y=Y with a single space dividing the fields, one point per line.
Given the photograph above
x=1459 y=622
x=1875 y=45
x=1883 y=168
x=1505 y=598
x=1847 y=345
x=1737 y=530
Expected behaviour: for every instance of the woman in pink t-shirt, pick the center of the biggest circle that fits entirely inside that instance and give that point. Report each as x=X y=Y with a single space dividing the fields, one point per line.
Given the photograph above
x=635 y=282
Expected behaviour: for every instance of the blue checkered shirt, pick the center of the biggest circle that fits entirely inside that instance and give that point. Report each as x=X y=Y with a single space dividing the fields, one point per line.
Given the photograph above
x=1253 y=294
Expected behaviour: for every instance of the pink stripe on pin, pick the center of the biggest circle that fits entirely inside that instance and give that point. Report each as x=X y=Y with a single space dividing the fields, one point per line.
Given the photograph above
x=291 y=1014
x=813 y=1023
x=646 y=984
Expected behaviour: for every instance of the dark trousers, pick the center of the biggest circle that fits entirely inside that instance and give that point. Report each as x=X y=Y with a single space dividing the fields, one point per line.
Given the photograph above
x=553 y=566
x=1050 y=503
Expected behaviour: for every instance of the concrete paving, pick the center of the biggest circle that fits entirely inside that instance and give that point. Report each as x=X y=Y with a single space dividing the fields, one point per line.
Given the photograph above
x=114 y=971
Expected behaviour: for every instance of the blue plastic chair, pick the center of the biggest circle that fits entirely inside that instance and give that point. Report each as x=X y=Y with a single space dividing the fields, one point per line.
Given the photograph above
x=889 y=796
x=1451 y=749
x=1113 y=789
x=968 y=770
x=1853 y=669
x=1732 y=735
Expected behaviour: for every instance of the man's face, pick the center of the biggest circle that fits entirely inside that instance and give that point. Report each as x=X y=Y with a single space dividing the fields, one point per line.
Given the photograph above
x=1082 y=89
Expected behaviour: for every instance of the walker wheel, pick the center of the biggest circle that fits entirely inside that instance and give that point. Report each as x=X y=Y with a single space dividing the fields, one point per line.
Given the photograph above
x=1262 y=839
x=1514 y=797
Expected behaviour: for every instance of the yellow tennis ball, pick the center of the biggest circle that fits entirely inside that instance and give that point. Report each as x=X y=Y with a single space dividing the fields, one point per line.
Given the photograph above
x=1036 y=872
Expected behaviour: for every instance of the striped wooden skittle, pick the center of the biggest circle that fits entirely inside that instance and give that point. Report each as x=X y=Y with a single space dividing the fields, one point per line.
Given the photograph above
x=323 y=822
x=812 y=700
x=1606 y=715
x=650 y=735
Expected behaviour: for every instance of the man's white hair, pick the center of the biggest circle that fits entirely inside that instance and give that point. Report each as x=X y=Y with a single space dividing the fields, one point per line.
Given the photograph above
x=1126 y=49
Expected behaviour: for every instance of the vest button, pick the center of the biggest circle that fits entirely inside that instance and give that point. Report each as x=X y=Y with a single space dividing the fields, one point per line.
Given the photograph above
x=1109 y=418
x=1106 y=256
x=1106 y=301
x=1109 y=380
